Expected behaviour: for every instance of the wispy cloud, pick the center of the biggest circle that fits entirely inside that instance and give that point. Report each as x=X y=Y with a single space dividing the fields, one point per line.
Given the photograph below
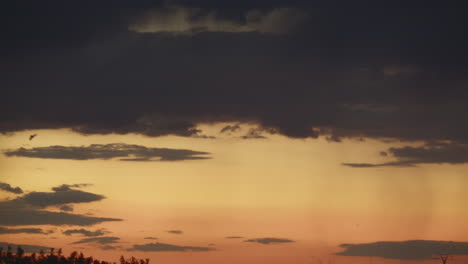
x=85 y=232
x=4 y=230
x=230 y=128
x=177 y=232
x=269 y=240
x=156 y=247
x=123 y=151
x=98 y=240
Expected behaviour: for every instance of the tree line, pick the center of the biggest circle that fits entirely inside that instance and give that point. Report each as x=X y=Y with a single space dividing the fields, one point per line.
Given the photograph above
x=52 y=257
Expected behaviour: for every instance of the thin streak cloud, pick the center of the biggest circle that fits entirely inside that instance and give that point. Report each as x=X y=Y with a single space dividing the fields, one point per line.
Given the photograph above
x=124 y=152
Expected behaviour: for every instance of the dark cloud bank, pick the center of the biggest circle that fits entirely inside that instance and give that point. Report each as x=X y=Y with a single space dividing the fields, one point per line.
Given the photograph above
x=30 y=208
x=341 y=70
x=124 y=152
x=405 y=250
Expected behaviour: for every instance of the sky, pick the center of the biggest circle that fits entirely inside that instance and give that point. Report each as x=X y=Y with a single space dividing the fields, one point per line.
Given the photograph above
x=235 y=131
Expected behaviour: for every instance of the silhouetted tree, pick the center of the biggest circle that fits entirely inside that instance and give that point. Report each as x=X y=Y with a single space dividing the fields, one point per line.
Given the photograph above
x=21 y=258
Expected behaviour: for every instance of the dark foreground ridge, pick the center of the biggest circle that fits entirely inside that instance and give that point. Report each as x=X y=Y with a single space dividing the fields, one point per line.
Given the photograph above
x=20 y=257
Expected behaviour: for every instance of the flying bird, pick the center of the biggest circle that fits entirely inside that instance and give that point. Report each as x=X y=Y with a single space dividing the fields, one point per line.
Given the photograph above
x=32 y=136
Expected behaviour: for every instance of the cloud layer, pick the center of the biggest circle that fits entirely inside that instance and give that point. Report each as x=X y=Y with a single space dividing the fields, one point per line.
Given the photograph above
x=405 y=250
x=439 y=153
x=98 y=240
x=122 y=151
x=269 y=240
x=157 y=247
x=176 y=232
x=4 y=230
x=85 y=232
x=28 y=209
x=382 y=74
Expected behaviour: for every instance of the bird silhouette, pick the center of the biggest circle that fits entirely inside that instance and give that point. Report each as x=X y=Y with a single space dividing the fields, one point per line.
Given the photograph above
x=32 y=136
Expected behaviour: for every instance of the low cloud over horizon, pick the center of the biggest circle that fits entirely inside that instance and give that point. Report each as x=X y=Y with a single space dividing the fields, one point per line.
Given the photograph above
x=159 y=247
x=405 y=250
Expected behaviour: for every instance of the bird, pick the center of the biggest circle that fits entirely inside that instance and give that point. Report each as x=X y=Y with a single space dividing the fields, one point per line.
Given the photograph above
x=32 y=136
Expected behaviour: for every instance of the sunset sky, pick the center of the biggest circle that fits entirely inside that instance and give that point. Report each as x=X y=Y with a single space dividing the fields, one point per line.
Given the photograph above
x=235 y=131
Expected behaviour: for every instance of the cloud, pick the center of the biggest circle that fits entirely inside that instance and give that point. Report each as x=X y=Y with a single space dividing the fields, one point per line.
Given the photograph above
x=98 y=240
x=26 y=248
x=151 y=238
x=66 y=208
x=8 y=188
x=28 y=209
x=253 y=133
x=230 y=128
x=89 y=73
x=46 y=199
x=109 y=151
x=234 y=237
x=22 y=216
x=4 y=230
x=269 y=240
x=405 y=250
x=188 y=21
x=177 y=232
x=85 y=232
x=370 y=165
x=109 y=247
x=431 y=153
x=157 y=247
x=257 y=133
x=154 y=124
x=67 y=187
